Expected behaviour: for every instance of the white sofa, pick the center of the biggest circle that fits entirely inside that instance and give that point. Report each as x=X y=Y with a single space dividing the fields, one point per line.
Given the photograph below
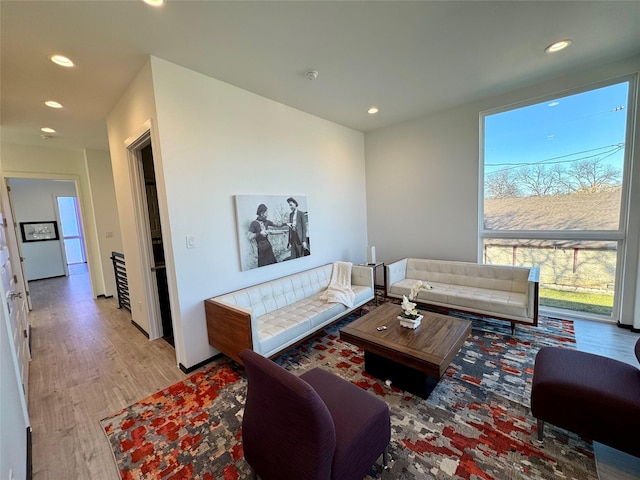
x=497 y=291
x=272 y=316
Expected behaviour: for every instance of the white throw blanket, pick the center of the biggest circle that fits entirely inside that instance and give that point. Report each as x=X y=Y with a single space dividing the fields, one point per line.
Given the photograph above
x=339 y=288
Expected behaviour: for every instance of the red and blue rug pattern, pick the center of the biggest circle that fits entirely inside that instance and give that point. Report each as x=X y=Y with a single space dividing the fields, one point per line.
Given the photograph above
x=476 y=424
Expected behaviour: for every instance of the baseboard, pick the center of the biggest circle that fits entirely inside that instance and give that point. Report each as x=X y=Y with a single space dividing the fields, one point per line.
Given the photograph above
x=140 y=328
x=29 y=455
x=46 y=278
x=198 y=365
x=628 y=327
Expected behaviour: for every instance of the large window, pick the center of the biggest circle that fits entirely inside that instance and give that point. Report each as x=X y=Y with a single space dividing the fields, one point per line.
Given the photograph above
x=554 y=190
x=71 y=230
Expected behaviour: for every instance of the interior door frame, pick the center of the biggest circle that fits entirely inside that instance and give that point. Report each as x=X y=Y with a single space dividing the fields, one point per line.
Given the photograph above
x=7 y=175
x=134 y=145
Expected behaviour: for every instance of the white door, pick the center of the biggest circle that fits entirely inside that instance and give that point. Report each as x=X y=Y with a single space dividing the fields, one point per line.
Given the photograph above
x=17 y=306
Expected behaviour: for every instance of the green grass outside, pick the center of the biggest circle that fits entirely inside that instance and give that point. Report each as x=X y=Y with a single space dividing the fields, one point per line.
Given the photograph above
x=598 y=303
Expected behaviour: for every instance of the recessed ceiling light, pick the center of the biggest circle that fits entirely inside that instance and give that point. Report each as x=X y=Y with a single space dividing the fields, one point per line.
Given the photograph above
x=154 y=3
x=557 y=46
x=53 y=104
x=48 y=130
x=553 y=104
x=373 y=110
x=61 y=60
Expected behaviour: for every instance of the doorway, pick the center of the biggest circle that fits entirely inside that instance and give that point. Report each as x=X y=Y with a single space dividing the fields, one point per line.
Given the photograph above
x=157 y=246
x=53 y=201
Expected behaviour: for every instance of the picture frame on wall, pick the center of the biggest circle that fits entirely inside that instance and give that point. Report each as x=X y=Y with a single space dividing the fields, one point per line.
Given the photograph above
x=39 y=231
x=271 y=229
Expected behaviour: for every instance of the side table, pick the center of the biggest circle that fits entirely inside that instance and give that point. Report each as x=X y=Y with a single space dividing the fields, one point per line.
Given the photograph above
x=374 y=267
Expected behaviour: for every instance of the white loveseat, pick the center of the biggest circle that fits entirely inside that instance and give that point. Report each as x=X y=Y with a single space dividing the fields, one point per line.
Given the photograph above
x=272 y=316
x=497 y=291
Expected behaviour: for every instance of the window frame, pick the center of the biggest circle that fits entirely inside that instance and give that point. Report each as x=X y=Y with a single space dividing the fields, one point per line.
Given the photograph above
x=624 y=262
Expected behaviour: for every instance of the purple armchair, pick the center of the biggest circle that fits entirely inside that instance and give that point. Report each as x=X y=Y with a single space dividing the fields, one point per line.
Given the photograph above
x=315 y=427
x=594 y=396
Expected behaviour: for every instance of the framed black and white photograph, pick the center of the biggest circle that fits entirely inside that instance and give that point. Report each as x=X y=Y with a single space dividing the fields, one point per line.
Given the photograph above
x=271 y=229
x=39 y=231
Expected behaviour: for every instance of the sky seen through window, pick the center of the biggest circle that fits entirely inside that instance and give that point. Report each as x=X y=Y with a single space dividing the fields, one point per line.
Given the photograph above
x=588 y=125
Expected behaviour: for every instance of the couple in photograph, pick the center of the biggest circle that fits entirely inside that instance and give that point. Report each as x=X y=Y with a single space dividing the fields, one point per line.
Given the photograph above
x=259 y=231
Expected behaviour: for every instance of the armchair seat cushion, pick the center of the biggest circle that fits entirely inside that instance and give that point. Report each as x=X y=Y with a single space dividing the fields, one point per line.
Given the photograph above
x=588 y=394
x=315 y=427
x=362 y=423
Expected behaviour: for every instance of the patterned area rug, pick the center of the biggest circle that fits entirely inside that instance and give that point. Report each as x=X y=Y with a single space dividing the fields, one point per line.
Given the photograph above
x=476 y=424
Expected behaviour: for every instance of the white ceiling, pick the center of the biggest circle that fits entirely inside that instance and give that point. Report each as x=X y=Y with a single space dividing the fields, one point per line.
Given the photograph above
x=408 y=58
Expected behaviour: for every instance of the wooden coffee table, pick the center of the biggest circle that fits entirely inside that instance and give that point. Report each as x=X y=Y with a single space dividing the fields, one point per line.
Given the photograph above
x=413 y=360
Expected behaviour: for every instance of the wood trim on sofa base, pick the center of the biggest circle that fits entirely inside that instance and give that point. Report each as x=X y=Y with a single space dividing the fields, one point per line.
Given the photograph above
x=228 y=329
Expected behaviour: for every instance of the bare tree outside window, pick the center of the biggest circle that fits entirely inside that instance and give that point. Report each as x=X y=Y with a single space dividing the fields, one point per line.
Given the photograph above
x=501 y=184
x=582 y=177
x=539 y=180
x=591 y=176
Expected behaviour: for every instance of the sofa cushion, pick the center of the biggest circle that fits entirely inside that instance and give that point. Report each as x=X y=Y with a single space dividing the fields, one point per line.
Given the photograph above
x=292 y=321
x=480 y=300
x=300 y=318
x=490 y=277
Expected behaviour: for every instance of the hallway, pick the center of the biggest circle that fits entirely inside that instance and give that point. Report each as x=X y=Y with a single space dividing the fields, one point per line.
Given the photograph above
x=88 y=362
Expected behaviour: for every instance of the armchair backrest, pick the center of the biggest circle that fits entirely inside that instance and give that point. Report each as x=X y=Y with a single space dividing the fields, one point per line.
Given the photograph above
x=287 y=429
x=637 y=349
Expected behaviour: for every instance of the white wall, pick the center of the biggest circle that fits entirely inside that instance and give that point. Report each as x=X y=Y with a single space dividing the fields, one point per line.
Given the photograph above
x=103 y=195
x=26 y=161
x=422 y=181
x=422 y=188
x=216 y=141
x=34 y=200
x=126 y=120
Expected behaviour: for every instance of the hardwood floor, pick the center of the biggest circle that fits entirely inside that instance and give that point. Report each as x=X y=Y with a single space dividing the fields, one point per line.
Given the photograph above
x=90 y=361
